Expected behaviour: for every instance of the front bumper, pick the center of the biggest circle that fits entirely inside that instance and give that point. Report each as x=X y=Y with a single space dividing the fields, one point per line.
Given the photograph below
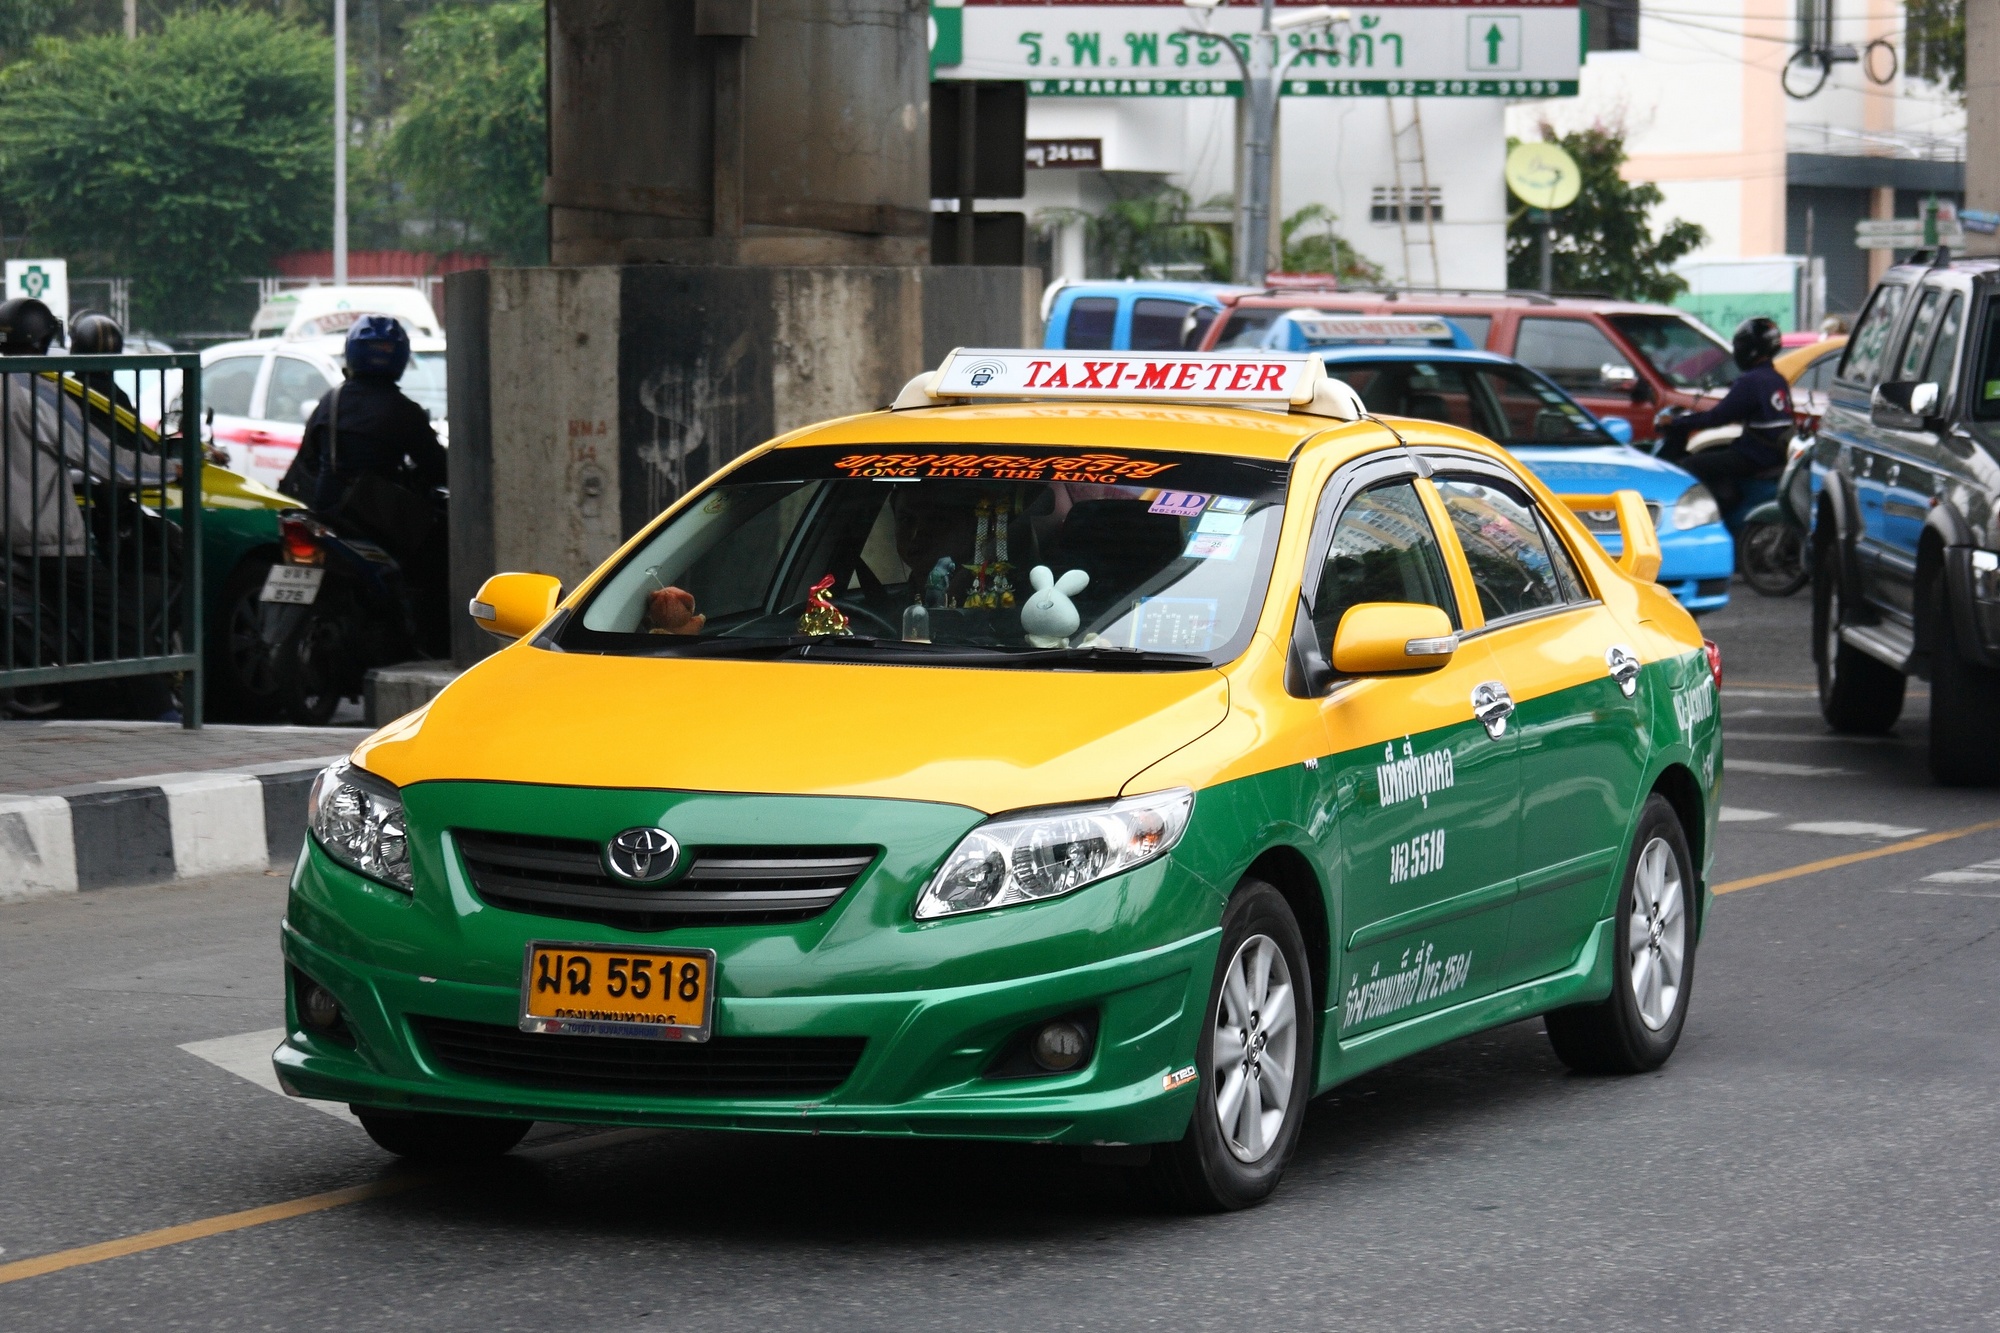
x=937 y=1005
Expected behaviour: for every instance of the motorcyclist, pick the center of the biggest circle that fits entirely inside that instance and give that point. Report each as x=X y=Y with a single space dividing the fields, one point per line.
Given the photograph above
x=94 y=334
x=44 y=434
x=1760 y=399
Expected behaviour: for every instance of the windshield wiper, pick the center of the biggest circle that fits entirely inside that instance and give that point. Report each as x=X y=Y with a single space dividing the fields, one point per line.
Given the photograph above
x=1103 y=658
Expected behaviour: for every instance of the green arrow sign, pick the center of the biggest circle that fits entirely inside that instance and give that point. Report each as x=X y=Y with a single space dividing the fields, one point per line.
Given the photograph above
x=1493 y=40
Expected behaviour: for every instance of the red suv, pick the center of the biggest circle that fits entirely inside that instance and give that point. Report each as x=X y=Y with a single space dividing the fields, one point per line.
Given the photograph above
x=1617 y=358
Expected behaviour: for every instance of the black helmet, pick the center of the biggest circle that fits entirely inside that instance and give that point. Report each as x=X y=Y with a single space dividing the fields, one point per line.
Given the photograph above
x=93 y=334
x=1757 y=340
x=27 y=327
x=377 y=346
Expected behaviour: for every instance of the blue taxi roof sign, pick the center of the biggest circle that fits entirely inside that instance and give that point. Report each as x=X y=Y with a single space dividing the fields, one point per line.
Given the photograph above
x=1310 y=330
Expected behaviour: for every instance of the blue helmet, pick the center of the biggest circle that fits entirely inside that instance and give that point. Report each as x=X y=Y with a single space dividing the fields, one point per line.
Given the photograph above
x=377 y=347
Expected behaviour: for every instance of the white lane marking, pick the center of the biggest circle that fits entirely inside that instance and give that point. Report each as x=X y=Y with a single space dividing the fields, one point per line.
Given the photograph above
x=248 y=1056
x=1813 y=740
x=1854 y=828
x=1781 y=770
x=1983 y=872
x=1947 y=893
x=37 y=849
x=1748 y=692
x=1730 y=814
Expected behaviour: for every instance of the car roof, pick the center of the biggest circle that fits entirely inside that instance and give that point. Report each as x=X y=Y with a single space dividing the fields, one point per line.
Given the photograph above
x=1467 y=302
x=1793 y=361
x=330 y=348
x=1403 y=352
x=1241 y=432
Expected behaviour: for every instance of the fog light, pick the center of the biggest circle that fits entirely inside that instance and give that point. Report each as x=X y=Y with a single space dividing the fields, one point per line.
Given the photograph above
x=319 y=1011
x=1060 y=1046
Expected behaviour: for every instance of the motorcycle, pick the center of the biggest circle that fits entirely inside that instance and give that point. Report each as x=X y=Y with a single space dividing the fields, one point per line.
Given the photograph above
x=1770 y=537
x=337 y=605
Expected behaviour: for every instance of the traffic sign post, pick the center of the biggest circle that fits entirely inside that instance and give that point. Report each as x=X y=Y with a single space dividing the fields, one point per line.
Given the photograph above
x=1544 y=177
x=44 y=280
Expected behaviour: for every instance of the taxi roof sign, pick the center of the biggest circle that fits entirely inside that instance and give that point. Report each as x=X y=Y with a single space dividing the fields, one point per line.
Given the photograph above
x=1318 y=330
x=1265 y=379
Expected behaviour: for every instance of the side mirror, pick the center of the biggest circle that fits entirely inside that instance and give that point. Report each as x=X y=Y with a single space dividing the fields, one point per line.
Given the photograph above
x=306 y=410
x=509 y=605
x=1377 y=638
x=1618 y=428
x=1905 y=405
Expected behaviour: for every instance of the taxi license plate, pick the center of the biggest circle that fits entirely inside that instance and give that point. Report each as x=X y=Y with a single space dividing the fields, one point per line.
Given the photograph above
x=296 y=585
x=599 y=991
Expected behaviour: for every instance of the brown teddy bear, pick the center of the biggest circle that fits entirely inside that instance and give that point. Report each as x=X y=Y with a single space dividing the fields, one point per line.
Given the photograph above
x=671 y=611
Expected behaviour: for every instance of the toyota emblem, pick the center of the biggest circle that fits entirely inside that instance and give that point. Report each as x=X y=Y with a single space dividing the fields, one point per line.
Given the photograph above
x=642 y=855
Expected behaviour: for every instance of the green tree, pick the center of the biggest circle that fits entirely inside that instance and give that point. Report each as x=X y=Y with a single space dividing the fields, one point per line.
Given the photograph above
x=187 y=158
x=1934 y=39
x=1603 y=242
x=1313 y=246
x=470 y=144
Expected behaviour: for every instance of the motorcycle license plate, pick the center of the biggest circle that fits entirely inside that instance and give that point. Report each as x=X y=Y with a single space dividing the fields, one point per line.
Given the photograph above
x=296 y=585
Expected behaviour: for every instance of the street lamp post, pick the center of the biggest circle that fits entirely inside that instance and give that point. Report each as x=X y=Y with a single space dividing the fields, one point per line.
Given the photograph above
x=340 y=143
x=1261 y=76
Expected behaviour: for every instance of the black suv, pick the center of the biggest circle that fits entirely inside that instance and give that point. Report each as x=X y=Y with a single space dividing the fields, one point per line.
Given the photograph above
x=1906 y=514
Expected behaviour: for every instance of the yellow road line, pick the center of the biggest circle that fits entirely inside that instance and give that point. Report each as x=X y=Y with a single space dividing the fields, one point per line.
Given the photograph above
x=208 y=1226
x=278 y=1212
x=1852 y=858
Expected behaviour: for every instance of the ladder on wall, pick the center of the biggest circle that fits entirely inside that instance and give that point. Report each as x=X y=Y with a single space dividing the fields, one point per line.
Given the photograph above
x=1413 y=191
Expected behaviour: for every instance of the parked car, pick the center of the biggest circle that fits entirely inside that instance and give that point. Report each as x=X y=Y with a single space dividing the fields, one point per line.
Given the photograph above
x=1145 y=316
x=260 y=392
x=1906 y=514
x=1618 y=358
x=1422 y=367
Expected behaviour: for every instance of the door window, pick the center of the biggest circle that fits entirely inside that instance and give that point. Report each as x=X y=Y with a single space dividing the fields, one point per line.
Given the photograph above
x=1575 y=354
x=1944 y=347
x=1383 y=550
x=294 y=385
x=1871 y=337
x=226 y=385
x=1919 y=335
x=1475 y=327
x=1092 y=320
x=1504 y=542
x=1157 y=325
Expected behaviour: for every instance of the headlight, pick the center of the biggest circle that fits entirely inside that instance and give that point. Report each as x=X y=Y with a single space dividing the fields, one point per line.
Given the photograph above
x=358 y=820
x=1025 y=858
x=1696 y=508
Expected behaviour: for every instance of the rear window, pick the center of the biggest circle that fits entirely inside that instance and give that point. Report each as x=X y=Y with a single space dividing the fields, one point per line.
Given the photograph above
x=1863 y=362
x=1092 y=319
x=1576 y=354
x=1159 y=326
x=1476 y=327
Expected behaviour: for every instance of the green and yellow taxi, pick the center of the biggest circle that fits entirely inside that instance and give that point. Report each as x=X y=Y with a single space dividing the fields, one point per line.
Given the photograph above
x=1105 y=749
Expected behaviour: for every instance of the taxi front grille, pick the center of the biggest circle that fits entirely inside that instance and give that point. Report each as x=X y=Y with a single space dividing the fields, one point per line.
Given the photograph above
x=783 y=1067
x=563 y=877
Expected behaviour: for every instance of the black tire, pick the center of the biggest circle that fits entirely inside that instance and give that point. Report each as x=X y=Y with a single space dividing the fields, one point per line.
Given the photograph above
x=1773 y=556
x=429 y=1136
x=310 y=668
x=1615 y=1035
x=1965 y=709
x=240 y=685
x=1857 y=694
x=1203 y=1172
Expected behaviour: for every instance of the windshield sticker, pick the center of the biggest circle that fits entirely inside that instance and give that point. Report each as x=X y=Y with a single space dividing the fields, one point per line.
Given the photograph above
x=1213 y=546
x=1416 y=856
x=1176 y=624
x=1103 y=469
x=1417 y=980
x=1229 y=504
x=1413 y=777
x=1220 y=523
x=1181 y=504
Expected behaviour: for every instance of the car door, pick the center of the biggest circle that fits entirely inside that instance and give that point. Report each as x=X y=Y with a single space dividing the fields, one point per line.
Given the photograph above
x=1585 y=362
x=294 y=388
x=229 y=387
x=1426 y=795
x=1579 y=718
x=1895 y=497
x=1867 y=361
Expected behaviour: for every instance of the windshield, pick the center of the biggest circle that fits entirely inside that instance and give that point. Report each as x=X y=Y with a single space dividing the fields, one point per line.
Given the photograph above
x=424 y=383
x=1509 y=404
x=1035 y=556
x=1685 y=354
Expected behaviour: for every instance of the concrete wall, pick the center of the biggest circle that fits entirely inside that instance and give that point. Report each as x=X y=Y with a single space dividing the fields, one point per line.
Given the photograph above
x=586 y=400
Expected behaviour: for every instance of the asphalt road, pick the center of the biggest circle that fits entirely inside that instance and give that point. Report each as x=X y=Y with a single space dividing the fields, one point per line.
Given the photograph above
x=1821 y=1153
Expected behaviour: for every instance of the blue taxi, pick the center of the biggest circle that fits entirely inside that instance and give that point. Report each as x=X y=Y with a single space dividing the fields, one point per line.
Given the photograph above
x=1423 y=366
x=1137 y=314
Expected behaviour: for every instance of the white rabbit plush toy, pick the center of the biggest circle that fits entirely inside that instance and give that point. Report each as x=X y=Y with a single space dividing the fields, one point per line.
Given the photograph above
x=1048 y=617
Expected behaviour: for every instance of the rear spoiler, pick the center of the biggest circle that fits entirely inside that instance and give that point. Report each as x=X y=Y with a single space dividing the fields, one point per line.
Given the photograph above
x=1641 y=556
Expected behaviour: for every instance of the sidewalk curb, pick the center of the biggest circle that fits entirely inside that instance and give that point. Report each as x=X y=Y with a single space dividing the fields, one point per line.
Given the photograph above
x=148 y=830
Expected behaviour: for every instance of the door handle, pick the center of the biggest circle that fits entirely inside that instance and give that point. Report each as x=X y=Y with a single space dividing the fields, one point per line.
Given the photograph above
x=1623 y=664
x=1492 y=705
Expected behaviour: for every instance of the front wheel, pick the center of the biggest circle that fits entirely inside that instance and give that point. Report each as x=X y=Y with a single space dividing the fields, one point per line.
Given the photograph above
x=1857 y=694
x=1254 y=1063
x=1774 y=559
x=310 y=669
x=1638 y=1025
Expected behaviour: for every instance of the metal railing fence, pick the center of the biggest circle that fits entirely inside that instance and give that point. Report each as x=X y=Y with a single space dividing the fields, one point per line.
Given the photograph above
x=100 y=522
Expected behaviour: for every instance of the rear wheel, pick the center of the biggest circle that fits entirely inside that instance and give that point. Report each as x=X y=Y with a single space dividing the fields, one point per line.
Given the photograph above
x=1638 y=1025
x=310 y=670
x=1774 y=558
x=1965 y=710
x=1254 y=1063
x=429 y=1136
x=1857 y=694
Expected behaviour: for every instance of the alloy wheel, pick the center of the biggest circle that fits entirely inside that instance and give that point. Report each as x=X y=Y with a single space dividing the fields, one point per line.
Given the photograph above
x=1255 y=1048
x=1656 y=934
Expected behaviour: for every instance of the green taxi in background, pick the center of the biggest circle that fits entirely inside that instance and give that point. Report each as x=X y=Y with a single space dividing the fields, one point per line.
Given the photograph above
x=1096 y=748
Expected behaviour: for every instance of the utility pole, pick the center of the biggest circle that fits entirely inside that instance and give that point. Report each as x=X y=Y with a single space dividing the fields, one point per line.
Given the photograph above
x=131 y=20
x=1982 y=117
x=339 y=142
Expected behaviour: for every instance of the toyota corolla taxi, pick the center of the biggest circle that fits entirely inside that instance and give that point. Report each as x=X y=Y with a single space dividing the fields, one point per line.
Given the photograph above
x=1108 y=749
